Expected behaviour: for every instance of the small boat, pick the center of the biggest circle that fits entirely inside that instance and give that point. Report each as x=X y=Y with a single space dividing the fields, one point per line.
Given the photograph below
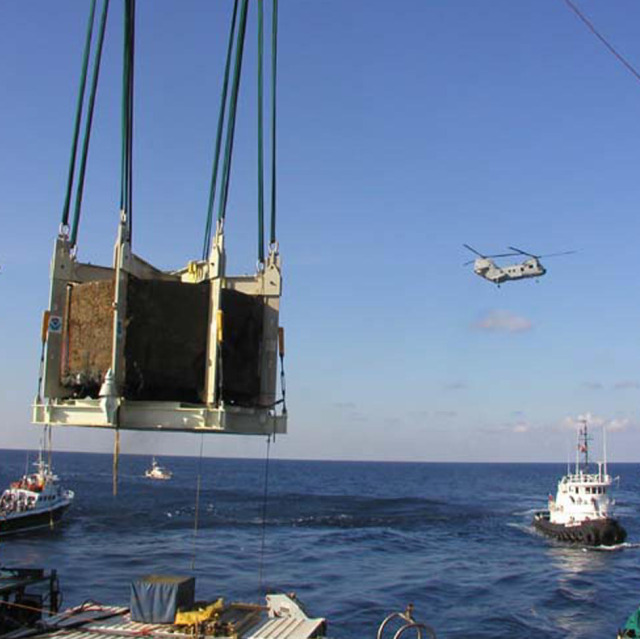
x=582 y=511
x=157 y=472
x=37 y=500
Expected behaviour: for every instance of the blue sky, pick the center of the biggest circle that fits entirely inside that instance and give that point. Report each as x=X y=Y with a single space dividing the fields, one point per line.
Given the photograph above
x=405 y=129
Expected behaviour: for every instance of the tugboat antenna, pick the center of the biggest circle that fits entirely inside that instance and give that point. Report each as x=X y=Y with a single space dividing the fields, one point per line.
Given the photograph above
x=583 y=447
x=577 y=469
x=604 y=447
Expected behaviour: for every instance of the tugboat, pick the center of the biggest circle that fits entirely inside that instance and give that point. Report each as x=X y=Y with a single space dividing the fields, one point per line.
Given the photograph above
x=157 y=472
x=582 y=510
x=35 y=501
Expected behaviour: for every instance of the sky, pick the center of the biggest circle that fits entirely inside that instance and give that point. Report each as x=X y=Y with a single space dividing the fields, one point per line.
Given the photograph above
x=405 y=130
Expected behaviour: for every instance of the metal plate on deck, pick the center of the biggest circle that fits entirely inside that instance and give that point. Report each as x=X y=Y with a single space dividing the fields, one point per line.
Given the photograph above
x=242 y=621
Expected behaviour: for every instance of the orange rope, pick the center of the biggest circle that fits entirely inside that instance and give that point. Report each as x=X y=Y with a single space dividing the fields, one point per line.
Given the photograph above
x=13 y=604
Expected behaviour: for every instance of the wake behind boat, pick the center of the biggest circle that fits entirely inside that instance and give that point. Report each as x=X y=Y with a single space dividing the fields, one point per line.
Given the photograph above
x=157 y=472
x=582 y=510
x=37 y=500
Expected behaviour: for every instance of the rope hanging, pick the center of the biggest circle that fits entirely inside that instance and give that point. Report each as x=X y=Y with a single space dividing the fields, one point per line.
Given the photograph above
x=221 y=116
x=265 y=498
x=197 y=508
x=126 y=166
x=50 y=460
x=116 y=460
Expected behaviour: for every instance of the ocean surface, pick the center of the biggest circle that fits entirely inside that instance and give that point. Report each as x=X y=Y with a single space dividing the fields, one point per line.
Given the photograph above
x=355 y=541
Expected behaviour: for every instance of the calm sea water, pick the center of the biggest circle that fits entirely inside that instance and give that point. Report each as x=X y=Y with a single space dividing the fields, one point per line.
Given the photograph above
x=355 y=541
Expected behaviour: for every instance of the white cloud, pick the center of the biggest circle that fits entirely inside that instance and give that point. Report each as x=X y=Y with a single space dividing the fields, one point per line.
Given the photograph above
x=618 y=424
x=592 y=420
x=504 y=321
x=517 y=427
x=595 y=421
x=521 y=427
x=593 y=385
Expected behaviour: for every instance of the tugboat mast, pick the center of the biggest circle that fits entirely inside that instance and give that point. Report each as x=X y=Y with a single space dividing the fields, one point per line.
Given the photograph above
x=583 y=448
x=604 y=447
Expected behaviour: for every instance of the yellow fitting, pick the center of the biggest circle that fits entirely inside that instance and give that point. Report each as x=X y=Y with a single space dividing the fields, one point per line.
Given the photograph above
x=220 y=326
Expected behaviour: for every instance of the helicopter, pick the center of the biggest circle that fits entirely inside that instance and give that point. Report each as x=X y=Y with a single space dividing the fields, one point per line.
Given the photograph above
x=485 y=267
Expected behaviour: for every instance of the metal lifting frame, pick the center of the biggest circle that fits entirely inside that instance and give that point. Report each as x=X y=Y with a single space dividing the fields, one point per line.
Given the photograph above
x=110 y=402
x=111 y=409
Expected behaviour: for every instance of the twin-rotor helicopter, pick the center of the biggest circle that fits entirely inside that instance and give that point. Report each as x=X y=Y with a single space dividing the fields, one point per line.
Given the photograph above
x=485 y=267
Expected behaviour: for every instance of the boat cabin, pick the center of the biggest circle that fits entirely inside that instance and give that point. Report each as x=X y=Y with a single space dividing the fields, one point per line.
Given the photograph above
x=581 y=497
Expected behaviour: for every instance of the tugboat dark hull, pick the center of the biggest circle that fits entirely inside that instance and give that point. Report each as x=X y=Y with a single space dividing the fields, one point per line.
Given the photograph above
x=22 y=522
x=600 y=532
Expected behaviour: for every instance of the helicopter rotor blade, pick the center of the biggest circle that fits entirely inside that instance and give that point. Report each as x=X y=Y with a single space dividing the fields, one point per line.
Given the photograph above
x=503 y=255
x=490 y=256
x=473 y=250
x=556 y=254
x=521 y=252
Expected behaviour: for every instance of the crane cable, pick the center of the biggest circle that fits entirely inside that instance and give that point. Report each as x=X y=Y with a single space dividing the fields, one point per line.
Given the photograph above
x=239 y=24
x=79 y=104
x=126 y=167
x=274 y=68
x=231 y=121
x=88 y=121
x=260 y=134
x=221 y=116
x=274 y=60
x=602 y=39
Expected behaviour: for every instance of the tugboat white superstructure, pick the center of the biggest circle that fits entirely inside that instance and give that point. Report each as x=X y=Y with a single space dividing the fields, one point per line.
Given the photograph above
x=157 y=472
x=582 y=511
x=37 y=500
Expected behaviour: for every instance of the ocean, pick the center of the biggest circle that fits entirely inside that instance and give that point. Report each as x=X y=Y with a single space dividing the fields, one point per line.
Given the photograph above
x=354 y=540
